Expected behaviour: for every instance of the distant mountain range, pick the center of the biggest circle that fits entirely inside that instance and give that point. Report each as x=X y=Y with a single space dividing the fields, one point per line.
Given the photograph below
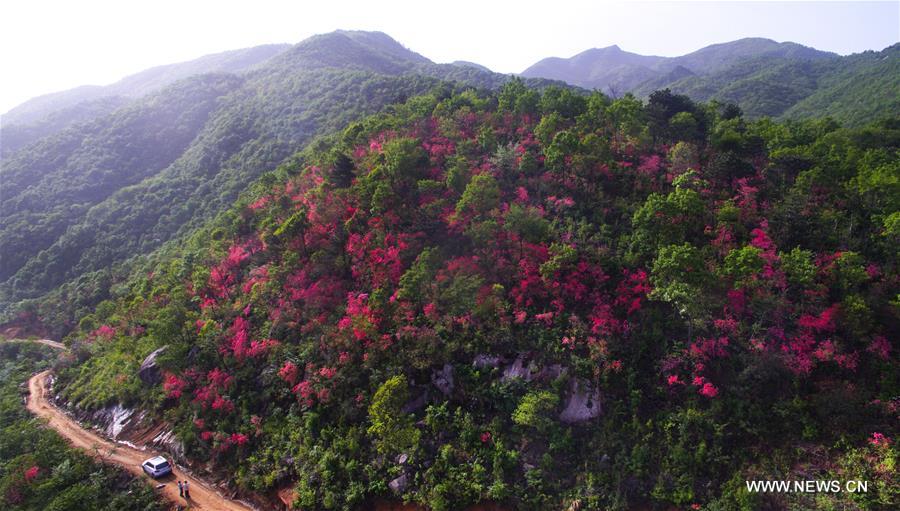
x=763 y=77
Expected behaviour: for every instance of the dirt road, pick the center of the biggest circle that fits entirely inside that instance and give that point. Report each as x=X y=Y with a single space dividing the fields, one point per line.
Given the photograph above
x=46 y=342
x=202 y=496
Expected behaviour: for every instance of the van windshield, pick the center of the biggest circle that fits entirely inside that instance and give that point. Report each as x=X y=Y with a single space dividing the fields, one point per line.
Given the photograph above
x=164 y=464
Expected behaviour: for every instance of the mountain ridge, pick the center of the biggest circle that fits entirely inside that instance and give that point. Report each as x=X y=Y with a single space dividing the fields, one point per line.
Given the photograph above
x=762 y=76
x=142 y=82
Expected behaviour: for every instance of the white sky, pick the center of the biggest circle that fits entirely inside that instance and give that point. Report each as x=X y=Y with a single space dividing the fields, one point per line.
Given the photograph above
x=47 y=46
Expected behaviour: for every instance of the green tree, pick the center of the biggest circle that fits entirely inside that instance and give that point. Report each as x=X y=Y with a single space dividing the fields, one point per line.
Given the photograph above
x=391 y=428
x=679 y=277
x=536 y=409
x=482 y=194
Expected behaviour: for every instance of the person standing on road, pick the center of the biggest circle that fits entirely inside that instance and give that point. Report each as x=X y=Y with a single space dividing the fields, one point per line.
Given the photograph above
x=180 y=489
x=187 y=491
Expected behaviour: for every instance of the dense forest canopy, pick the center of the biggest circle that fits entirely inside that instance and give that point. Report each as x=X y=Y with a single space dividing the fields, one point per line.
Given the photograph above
x=537 y=298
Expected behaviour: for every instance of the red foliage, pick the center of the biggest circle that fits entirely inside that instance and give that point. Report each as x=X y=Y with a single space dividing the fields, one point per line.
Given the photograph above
x=238 y=439
x=707 y=349
x=104 y=333
x=32 y=473
x=173 y=385
x=650 y=166
x=879 y=440
x=632 y=290
x=222 y=404
x=289 y=372
x=824 y=322
x=881 y=347
x=673 y=379
x=221 y=379
x=709 y=390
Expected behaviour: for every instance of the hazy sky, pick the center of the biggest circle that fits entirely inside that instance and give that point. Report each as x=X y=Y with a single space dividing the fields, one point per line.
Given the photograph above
x=46 y=46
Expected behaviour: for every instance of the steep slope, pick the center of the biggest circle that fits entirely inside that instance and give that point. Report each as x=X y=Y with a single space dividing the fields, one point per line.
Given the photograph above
x=16 y=136
x=527 y=298
x=865 y=86
x=761 y=86
x=52 y=186
x=51 y=113
x=54 y=233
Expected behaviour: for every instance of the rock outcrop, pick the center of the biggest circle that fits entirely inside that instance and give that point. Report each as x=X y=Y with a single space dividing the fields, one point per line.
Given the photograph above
x=443 y=379
x=582 y=403
x=149 y=372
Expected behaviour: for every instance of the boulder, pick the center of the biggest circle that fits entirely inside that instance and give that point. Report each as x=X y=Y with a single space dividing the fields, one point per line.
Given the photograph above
x=582 y=403
x=443 y=379
x=399 y=484
x=149 y=371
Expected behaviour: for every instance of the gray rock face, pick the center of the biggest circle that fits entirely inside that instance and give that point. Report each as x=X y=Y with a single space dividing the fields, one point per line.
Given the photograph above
x=524 y=369
x=166 y=441
x=443 y=379
x=517 y=369
x=149 y=371
x=582 y=403
x=399 y=484
x=551 y=372
x=483 y=361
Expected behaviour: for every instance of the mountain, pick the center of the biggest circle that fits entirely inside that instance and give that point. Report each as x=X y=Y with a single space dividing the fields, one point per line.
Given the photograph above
x=142 y=83
x=469 y=64
x=51 y=113
x=99 y=193
x=608 y=69
x=538 y=300
x=611 y=67
x=763 y=77
x=718 y=57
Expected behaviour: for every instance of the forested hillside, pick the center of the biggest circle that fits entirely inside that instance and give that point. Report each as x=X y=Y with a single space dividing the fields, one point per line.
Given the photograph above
x=79 y=203
x=763 y=77
x=16 y=136
x=142 y=83
x=541 y=299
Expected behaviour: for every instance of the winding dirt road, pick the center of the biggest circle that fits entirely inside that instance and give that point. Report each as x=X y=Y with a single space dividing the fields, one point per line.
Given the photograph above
x=202 y=496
